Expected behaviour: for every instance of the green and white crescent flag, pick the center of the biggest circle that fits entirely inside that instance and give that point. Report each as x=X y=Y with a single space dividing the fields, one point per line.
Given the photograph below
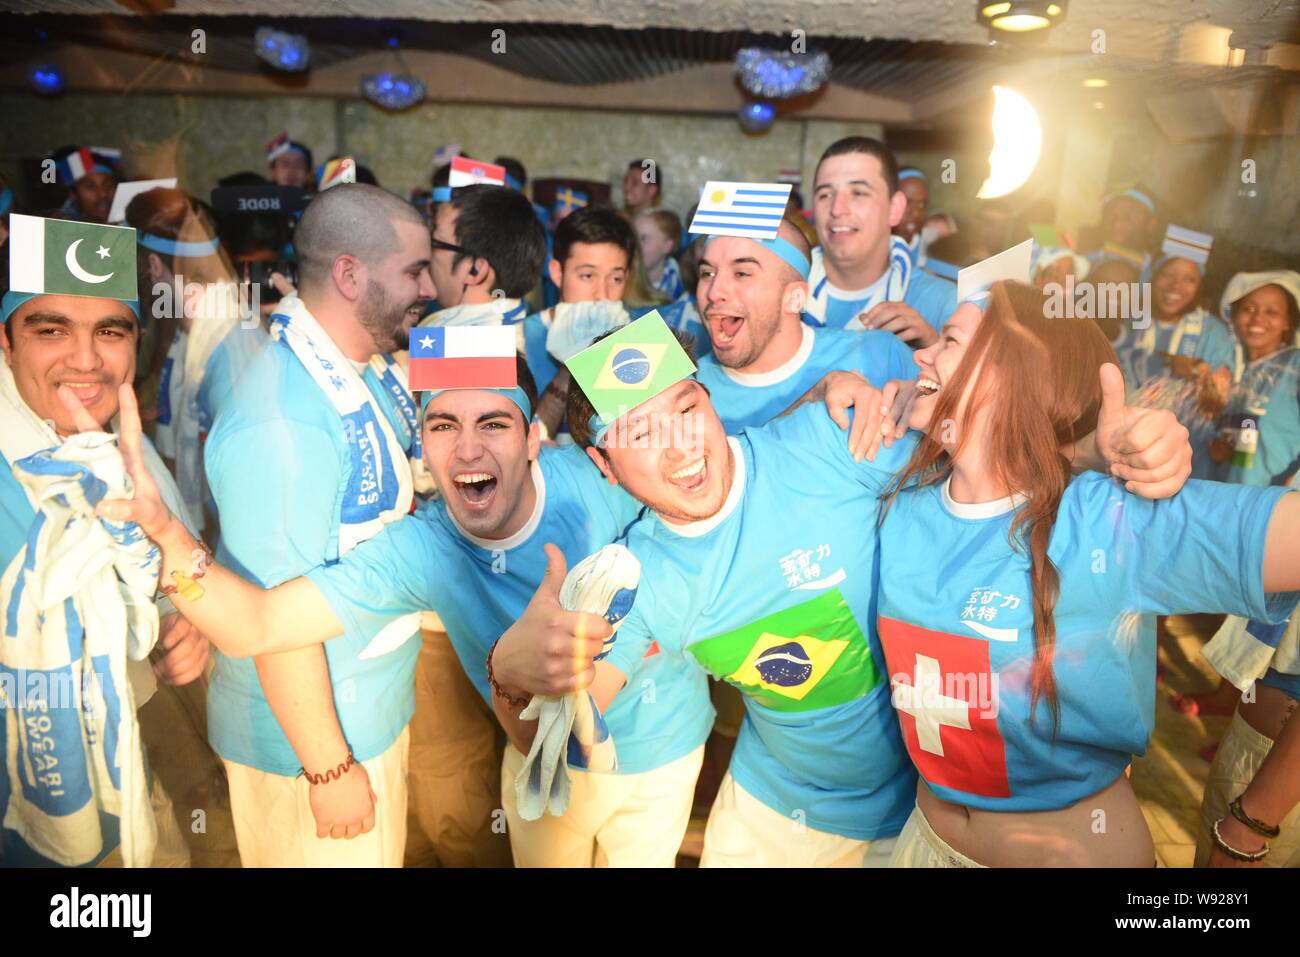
x=60 y=257
x=631 y=366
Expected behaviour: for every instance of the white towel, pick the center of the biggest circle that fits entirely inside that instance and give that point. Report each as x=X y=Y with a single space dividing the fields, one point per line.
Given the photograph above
x=573 y=326
x=570 y=729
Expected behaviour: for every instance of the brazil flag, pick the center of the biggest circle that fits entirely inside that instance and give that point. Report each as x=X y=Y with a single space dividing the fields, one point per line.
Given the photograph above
x=804 y=658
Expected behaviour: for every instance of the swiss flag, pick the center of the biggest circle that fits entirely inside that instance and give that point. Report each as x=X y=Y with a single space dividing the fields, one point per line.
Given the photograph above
x=943 y=691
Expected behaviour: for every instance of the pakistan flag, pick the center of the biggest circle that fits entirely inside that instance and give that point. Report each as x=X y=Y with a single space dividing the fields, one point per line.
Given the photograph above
x=61 y=258
x=804 y=658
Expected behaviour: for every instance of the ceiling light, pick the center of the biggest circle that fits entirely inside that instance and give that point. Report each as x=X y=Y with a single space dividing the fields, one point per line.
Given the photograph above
x=1021 y=17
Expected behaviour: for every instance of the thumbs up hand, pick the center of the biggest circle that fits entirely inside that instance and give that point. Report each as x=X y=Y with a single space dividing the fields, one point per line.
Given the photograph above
x=549 y=651
x=1148 y=449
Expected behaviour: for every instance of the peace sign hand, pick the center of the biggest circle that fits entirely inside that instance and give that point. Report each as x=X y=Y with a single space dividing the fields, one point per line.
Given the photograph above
x=146 y=508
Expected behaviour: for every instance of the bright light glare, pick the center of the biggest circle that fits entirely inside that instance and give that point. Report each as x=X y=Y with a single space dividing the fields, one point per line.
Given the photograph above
x=1017 y=141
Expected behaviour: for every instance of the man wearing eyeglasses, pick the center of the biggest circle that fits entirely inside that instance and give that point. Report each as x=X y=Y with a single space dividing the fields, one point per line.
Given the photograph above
x=488 y=249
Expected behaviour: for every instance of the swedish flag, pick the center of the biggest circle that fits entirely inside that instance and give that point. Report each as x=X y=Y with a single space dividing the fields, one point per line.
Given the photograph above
x=811 y=656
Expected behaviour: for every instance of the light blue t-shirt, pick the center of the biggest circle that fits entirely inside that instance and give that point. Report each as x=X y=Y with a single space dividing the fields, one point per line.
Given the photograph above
x=1213 y=342
x=479 y=588
x=776 y=595
x=225 y=367
x=957 y=625
x=540 y=362
x=743 y=399
x=934 y=298
x=1268 y=398
x=278 y=466
x=1149 y=381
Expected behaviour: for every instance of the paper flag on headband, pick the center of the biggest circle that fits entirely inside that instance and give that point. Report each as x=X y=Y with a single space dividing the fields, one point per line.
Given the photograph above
x=1050 y=237
x=568 y=199
x=445 y=154
x=278 y=147
x=468 y=172
x=463 y=357
x=1187 y=244
x=1011 y=263
x=86 y=160
x=336 y=171
x=129 y=191
x=67 y=258
x=631 y=366
x=752 y=210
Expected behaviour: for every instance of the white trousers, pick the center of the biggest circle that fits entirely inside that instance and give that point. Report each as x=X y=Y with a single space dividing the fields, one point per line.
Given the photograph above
x=745 y=832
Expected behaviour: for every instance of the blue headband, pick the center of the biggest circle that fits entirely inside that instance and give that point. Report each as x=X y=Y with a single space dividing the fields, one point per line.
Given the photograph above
x=6 y=199
x=1134 y=194
x=515 y=395
x=598 y=426
x=1160 y=263
x=786 y=250
x=173 y=247
x=941 y=268
x=12 y=300
x=910 y=172
x=442 y=194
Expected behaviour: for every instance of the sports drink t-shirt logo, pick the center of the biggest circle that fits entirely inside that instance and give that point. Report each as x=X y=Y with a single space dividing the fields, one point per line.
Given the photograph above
x=938 y=681
x=811 y=656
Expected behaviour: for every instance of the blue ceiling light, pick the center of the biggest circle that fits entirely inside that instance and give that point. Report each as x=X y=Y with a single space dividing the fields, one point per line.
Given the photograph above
x=47 y=79
x=756 y=117
x=777 y=74
x=392 y=91
x=289 y=52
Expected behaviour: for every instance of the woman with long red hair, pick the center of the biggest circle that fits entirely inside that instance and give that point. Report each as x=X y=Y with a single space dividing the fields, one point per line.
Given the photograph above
x=1022 y=668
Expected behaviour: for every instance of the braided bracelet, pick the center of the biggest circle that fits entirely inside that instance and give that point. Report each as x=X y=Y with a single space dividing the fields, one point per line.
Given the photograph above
x=496 y=688
x=1259 y=827
x=1250 y=857
x=331 y=775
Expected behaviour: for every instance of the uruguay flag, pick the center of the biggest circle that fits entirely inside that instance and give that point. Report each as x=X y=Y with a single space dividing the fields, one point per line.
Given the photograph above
x=463 y=357
x=741 y=209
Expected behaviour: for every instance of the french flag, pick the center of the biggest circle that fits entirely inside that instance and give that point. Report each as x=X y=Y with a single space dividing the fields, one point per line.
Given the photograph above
x=463 y=357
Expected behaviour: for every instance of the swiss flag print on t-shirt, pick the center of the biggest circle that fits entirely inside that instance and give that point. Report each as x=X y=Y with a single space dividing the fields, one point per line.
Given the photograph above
x=946 y=699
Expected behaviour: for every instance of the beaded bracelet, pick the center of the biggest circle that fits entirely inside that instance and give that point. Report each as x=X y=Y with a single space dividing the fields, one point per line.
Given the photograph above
x=1259 y=827
x=1250 y=857
x=496 y=688
x=331 y=775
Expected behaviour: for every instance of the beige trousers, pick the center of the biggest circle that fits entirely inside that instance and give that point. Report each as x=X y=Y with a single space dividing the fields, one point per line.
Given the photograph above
x=274 y=825
x=613 y=820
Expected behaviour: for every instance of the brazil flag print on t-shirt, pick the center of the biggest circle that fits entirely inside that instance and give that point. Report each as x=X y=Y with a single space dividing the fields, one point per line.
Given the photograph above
x=811 y=656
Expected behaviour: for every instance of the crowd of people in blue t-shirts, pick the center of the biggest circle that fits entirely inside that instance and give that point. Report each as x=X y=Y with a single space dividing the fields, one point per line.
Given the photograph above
x=903 y=565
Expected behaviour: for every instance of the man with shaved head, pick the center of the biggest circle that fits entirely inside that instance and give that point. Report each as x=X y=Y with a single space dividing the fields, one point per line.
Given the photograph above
x=305 y=462
x=751 y=295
